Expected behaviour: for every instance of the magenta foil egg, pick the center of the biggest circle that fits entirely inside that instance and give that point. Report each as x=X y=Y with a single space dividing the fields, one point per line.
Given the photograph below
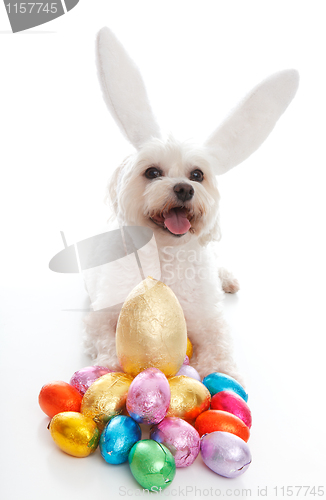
x=189 y=371
x=149 y=397
x=83 y=379
x=179 y=437
x=225 y=453
x=233 y=403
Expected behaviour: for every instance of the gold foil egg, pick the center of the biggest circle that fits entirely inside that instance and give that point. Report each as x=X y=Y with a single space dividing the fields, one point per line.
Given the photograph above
x=190 y=349
x=74 y=433
x=106 y=397
x=151 y=330
x=189 y=398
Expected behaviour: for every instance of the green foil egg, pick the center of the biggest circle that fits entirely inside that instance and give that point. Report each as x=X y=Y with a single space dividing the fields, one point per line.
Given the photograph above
x=152 y=465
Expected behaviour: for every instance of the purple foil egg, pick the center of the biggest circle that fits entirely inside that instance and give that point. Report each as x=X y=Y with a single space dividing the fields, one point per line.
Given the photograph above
x=225 y=453
x=179 y=437
x=186 y=360
x=233 y=403
x=189 y=371
x=148 y=398
x=83 y=379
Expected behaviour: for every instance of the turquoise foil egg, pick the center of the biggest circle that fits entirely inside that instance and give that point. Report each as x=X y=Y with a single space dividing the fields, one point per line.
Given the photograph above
x=117 y=439
x=217 y=382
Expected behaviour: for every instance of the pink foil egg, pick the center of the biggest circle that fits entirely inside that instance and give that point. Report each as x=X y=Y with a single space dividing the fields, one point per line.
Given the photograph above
x=230 y=401
x=149 y=397
x=83 y=379
x=186 y=360
x=179 y=437
x=189 y=371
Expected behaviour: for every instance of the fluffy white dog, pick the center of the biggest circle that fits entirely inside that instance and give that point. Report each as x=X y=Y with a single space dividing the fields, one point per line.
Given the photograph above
x=171 y=188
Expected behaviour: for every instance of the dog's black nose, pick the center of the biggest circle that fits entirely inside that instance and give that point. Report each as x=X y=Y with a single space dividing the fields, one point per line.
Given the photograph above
x=184 y=191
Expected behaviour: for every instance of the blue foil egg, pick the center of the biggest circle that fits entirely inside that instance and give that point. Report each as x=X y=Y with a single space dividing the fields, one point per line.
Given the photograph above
x=117 y=439
x=217 y=382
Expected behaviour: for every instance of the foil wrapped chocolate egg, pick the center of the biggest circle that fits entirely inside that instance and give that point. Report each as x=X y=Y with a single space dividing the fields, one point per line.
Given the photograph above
x=152 y=465
x=190 y=350
x=231 y=402
x=217 y=420
x=151 y=330
x=84 y=378
x=216 y=382
x=74 y=433
x=148 y=397
x=189 y=371
x=225 y=453
x=189 y=398
x=179 y=437
x=106 y=397
x=117 y=439
x=57 y=397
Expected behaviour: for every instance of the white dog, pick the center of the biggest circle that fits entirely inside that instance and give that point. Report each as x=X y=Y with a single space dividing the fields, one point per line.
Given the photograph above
x=171 y=187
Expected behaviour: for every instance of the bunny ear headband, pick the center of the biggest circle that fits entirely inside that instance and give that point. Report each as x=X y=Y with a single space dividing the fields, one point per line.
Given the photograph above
x=239 y=135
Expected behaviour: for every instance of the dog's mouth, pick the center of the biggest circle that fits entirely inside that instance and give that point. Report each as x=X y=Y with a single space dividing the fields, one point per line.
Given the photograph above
x=176 y=220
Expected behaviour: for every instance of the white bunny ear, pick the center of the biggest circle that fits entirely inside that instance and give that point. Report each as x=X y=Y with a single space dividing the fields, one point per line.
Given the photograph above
x=124 y=90
x=252 y=121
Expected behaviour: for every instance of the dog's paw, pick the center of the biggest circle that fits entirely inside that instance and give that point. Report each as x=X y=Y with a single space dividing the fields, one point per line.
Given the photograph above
x=231 y=286
x=229 y=283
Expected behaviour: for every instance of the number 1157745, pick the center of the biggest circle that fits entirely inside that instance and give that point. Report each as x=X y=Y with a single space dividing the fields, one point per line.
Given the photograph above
x=28 y=8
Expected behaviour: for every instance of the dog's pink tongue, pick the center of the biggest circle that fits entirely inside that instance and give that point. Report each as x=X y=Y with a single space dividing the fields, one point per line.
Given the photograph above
x=176 y=221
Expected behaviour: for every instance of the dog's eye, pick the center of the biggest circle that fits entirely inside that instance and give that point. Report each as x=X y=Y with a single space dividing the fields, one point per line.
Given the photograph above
x=153 y=173
x=196 y=175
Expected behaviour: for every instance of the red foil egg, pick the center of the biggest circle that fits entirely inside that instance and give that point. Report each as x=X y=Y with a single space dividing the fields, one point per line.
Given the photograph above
x=231 y=402
x=217 y=420
x=57 y=397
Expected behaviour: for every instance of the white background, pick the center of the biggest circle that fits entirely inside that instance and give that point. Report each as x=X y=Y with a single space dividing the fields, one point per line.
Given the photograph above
x=59 y=146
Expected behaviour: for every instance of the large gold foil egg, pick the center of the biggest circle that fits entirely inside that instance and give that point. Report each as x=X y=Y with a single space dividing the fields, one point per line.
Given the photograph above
x=189 y=398
x=151 y=330
x=74 y=433
x=106 y=397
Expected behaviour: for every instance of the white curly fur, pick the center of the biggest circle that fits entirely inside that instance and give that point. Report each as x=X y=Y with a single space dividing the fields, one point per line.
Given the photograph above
x=188 y=264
